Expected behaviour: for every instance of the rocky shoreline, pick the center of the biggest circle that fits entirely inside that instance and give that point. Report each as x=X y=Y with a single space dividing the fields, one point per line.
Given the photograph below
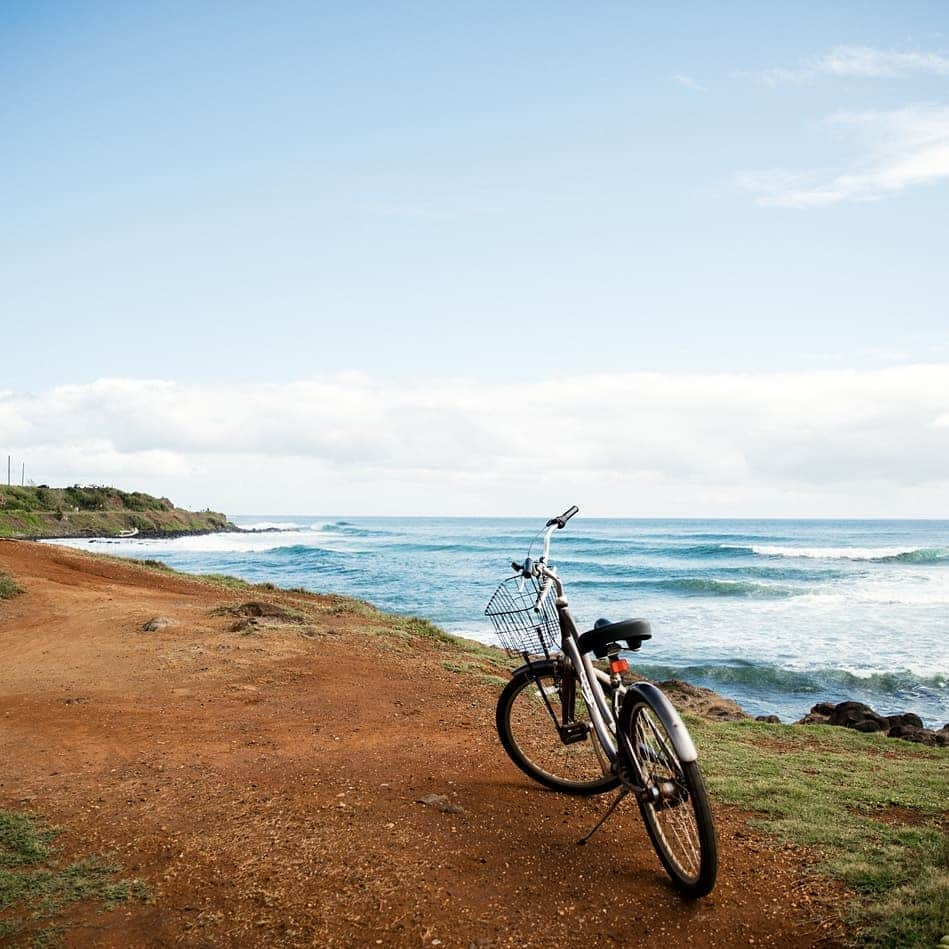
x=856 y=715
x=907 y=725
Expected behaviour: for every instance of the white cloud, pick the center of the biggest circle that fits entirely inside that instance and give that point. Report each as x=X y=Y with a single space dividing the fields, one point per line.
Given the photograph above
x=871 y=442
x=689 y=83
x=903 y=148
x=861 y=62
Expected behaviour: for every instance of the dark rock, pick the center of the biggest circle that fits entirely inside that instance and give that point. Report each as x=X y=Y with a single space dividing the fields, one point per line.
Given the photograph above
x=771 y=719
x=853 y=710
x=858 y=716
x=862 y=718
x=907 y=718
x=923 y=736
x=159 y=622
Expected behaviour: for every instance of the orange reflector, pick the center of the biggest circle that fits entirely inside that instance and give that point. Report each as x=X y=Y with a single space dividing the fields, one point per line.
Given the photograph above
x=618 y=665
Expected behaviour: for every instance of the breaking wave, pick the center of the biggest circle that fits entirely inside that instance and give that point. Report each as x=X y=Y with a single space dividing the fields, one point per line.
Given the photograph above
x=870 y=554
x=769 y=678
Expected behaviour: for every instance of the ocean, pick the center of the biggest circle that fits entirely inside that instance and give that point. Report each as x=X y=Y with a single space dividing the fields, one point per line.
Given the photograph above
x=777 y=614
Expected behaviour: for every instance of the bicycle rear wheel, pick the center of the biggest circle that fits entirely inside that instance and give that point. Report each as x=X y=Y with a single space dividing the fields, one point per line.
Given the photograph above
x=677 y=814
x=529 y=710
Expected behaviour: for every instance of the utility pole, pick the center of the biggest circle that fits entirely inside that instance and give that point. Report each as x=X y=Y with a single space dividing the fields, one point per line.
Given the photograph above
x=22 y=473
x=9 y=482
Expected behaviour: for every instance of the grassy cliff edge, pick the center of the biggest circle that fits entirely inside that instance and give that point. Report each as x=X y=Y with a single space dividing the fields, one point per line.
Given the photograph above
x=33 y=513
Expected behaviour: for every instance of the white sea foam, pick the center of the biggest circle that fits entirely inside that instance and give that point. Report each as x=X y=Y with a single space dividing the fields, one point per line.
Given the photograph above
x=829 y=553
x=883 y=594
x=202 y=543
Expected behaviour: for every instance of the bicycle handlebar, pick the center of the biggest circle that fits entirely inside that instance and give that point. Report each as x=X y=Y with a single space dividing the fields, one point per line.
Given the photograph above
x=542 y=594
x=539 y=568
x=561 y=521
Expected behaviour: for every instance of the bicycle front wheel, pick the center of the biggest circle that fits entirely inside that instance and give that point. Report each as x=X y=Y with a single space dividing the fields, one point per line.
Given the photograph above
x=529 y=710
x=676 y=813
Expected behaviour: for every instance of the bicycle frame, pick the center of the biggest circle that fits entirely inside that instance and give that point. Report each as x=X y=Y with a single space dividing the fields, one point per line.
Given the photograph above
x=589 y=677
x=603 y=715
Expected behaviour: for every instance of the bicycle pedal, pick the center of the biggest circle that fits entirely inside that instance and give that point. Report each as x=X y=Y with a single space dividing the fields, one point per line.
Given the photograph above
x=574 y=732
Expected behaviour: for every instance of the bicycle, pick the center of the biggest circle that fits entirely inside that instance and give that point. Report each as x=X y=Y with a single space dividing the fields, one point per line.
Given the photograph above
x=578 y=729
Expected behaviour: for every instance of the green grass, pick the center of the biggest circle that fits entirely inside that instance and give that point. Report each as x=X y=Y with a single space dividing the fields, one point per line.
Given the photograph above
x=8 y=588
x=338 y=605
x=149 y=563
x=84 y=498
x=36 y=887
x=872 y=808
x=213 y=579
x=422 y=629
x=476 y=669
x=223 y=580
x=94 y=510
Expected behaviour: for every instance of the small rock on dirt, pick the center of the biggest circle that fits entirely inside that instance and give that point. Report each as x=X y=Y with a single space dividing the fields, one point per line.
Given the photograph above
x=157 y=623
x=440 y=802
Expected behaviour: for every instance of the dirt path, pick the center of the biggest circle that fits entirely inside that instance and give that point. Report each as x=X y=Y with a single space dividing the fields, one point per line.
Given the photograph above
x=265 y=786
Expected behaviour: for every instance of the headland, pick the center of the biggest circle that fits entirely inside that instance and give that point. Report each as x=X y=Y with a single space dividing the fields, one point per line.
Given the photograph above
x=41 y=512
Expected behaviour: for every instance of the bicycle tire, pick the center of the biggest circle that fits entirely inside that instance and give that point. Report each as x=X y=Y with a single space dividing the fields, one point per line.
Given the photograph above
x=533 y=743
x=680 y=823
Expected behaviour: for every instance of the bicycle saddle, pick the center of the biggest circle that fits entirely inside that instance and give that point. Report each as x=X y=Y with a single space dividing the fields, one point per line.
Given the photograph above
x=630 y=631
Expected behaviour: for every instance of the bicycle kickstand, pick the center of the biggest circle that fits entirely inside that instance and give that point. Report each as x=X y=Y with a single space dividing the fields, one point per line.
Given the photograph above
x=619 y=797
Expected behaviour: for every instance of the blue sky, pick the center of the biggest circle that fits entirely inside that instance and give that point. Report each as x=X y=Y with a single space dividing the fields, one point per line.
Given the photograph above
x=232 y=190
x=219 y=195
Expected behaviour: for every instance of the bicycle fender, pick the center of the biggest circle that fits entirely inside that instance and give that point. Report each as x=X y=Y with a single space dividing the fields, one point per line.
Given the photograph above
x=656 y=699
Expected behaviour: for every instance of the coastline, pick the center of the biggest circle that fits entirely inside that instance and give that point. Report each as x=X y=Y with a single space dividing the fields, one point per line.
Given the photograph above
x=707 y=703
x=307 y=549
x=216 y=733
x=778 y=615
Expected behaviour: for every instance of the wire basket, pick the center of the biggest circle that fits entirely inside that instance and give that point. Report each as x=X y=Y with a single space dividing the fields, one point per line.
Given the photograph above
x=521 y=630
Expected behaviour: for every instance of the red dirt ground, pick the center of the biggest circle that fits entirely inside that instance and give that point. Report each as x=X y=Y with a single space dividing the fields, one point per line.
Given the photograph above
x=266 y=786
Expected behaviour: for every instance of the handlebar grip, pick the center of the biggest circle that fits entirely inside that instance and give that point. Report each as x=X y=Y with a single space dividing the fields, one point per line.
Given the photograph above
x=516 y=567
x=561 y=521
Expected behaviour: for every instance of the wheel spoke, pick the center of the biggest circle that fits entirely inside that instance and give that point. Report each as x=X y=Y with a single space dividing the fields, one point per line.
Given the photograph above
x=673 y=819
x=538 y=740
